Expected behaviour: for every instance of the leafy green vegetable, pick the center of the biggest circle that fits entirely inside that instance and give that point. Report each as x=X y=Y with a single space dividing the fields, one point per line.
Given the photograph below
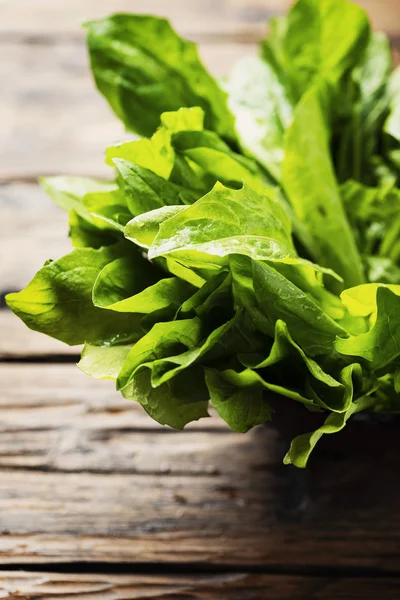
x=268 y=296
x=392 y=125
x=226 y=222
x=144 y=69
x=117 y=290
x=380 y=346
x=260 y=103
x=242 y=408
x=58 y=301
x=309 y=181
x=303 y=445
x=247 y=247
x=323 y=39
x=103 y=362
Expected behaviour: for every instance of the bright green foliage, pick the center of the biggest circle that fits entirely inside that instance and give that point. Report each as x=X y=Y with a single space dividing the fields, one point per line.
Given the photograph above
x=144 y=68
x=247 y=246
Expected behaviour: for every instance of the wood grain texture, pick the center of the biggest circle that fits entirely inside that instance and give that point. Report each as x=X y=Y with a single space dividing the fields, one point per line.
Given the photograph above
x=68 y=396
x=53 y=119
x=84 y=477
x=17 y=341
x=32 y=230
x=230 y=586
x=217 y=519
x=192 y=17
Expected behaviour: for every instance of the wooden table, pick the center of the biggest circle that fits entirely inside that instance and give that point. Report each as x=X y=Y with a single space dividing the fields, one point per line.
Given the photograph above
x=96 y=500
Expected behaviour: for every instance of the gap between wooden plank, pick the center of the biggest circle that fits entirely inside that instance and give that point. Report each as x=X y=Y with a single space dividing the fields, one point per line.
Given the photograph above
x=199 y=568
x=126 y=568
x=40 y=359
x=245 y=36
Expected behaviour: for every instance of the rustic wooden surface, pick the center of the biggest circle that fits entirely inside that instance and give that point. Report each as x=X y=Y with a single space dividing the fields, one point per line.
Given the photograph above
x=229 y=586
x=96 y=500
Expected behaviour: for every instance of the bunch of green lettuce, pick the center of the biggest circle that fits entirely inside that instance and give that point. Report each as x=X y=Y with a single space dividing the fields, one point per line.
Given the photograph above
x=248 y=245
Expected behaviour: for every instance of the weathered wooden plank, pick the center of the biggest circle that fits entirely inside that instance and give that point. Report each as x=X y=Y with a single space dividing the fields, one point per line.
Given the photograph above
x=68 y=397
x=220 y=519
x=54 y=120
x=32 y=230
x=71 y=421
x=124 y=449
x=191 y=17
x=233 y=586
x=83 y=484
x=81 y=447
x=16 y=340
x=44 y=17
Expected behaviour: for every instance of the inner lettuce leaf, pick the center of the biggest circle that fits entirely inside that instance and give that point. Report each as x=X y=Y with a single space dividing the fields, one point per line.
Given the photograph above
x=392 y=124
x=245 y=249
x=310 y=183
x=259 y=100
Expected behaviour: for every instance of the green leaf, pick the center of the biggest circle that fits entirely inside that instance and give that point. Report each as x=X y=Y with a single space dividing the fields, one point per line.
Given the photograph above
x=142 y=230
x=260 y=103
x=85 y=235
x=323 y=39
x=103 y=362
x=162 y=378
x=159 y=352
x=82 y=194
x=161 y=342
x=311 y=186
x=176 y=402
x=241 y=409
x=392 y=125
x=372 y=76
x=58 y=301
x=253 y=382
x=94 y=205
x=302 y=446
x=295 y=366
x=69 y=192
x=157 y=153
x=360 y=110
x=268 y=296
x=196 y=277
x=217 y=291
x=361 y=301
x=144 y=68
x=145 y=191
x=224 y=222
x=206 y=150
x=131 y=284
x=158 y=171
x=379 y=346
x=272 y=47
